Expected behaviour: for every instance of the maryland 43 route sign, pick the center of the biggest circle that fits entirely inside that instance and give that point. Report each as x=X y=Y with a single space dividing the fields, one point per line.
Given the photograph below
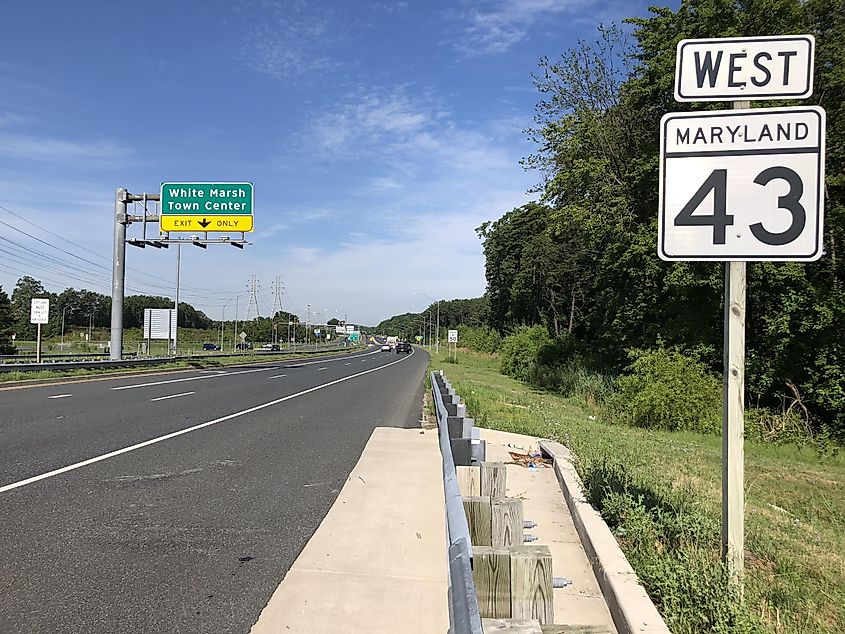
x=742 y=185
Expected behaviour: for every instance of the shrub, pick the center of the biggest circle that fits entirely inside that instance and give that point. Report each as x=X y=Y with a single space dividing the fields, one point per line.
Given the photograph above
x=479 y=338
x=665 y=389
x=519 y=353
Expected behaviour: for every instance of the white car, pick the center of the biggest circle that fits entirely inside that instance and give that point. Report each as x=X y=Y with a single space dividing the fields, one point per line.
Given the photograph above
x=385 y=348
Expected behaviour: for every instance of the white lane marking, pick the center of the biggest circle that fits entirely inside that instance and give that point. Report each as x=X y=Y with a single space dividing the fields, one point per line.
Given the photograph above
x=278 y=376
x=347 y=363
x=164 y=398
x=60 y=396
x=191 y=378
x=321 y=369
x=187 y=430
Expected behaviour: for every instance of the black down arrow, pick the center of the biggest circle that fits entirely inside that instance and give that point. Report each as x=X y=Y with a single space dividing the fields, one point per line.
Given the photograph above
x=204 y=223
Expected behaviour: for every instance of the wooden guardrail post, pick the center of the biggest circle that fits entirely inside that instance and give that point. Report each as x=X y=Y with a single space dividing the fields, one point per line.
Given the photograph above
x=494 y=479
x=469 y=481
x=491 y=573
x=531 y=583
x=506 y=522
x=479 y=519
x=511 y=626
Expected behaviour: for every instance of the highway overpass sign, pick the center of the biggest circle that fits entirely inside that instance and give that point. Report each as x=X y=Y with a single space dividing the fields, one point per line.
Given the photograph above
x=742 y=185
x=745 y=68
x=201 y=207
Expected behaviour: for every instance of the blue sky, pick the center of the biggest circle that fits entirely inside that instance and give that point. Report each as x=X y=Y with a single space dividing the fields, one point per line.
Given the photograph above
x=378 y=136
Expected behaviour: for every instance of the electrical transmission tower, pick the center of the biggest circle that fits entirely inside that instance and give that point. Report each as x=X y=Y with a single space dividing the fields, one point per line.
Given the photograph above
x=278 y=290
x=254 y=288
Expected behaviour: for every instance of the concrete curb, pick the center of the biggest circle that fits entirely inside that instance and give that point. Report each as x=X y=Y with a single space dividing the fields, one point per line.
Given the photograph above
x=631 y=608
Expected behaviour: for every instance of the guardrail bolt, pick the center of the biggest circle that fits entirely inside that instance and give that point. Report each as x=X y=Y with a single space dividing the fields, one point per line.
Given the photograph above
x=529 y=538
x=529 y=524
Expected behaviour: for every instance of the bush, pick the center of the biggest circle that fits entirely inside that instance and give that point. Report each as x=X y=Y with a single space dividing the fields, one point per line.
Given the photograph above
x=665 y=389
x=519 y=353
x=480 y=338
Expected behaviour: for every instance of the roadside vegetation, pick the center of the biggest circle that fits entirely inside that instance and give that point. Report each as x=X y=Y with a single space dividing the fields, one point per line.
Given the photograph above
x=12 y=377
x=658 y=488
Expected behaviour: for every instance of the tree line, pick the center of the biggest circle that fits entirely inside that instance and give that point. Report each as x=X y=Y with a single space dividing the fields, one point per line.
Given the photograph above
x=79 y=309
x=582 y=260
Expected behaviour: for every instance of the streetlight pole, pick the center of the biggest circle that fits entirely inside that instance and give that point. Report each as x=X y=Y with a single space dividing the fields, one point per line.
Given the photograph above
x=223 y=323
x=62 y=345
x=437 y=342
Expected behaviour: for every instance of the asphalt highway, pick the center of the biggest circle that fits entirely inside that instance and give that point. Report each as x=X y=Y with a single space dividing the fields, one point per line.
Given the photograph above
x=176 y=502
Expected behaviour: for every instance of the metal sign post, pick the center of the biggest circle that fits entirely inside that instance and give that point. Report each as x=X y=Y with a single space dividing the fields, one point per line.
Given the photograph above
x=737 y=186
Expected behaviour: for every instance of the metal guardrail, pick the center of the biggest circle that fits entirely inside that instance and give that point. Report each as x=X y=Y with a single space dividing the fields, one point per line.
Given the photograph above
x=464 y=616
x=92 y=364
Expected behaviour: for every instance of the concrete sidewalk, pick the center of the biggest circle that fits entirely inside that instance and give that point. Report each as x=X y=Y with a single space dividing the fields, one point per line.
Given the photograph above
x=378 y=561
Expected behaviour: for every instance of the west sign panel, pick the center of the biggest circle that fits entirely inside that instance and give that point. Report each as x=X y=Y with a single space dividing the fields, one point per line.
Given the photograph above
x=745 y=68
x=742 y=185
x=200 y=207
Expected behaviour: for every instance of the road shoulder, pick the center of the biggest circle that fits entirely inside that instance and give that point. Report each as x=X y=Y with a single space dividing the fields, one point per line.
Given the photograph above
x=377 y=563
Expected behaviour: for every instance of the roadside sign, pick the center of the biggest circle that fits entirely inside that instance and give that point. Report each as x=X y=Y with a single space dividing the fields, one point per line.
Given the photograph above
x=418 y=338
x=159 y=323
x=453 y=336
x=745 y=68
x=39 y=311
x=339 y=330
x=742 y=185
x=242 y=336
x=350 y=328
x=201 y=207
x=316 y=331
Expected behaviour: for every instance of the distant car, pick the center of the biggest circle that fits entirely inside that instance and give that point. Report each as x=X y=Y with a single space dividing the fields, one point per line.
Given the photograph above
x=243 y=346
x=271 y=347
x=385 y=348
x=403 y=346
x=210 y=346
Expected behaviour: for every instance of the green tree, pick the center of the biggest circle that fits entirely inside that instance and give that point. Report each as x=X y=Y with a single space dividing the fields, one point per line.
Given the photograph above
x=24 y=292
x=7 y=324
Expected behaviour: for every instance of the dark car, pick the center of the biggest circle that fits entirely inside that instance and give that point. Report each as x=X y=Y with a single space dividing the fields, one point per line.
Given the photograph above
x=210 y=346
x=403 y=346
x=243 y=346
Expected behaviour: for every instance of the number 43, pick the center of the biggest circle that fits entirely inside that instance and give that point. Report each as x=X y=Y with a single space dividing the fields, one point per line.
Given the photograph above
x=720 y=219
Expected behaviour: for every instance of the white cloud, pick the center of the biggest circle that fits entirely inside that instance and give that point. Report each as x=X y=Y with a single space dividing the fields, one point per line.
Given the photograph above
x=505 y=23
x=287 y=39
x=19 y=146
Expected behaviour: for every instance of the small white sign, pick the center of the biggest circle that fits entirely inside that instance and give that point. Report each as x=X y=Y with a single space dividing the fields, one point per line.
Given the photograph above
x=350 y=329
x=339 y=330
x=453 y=336
x=39 y=312
x=745 y=68
x=242 y=336
x=742 y=185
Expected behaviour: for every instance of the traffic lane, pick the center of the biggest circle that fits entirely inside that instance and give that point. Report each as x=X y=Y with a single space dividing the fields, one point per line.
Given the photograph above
x=110 y=419
x=121 y=420
x=193 y=534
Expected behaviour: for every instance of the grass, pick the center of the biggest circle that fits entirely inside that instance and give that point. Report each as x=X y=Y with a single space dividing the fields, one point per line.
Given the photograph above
x=660 y=493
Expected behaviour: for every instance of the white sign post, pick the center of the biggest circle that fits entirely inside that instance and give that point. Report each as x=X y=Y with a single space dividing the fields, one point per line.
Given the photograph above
x=736 y=187
x=39 y=313
x=453 y=339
